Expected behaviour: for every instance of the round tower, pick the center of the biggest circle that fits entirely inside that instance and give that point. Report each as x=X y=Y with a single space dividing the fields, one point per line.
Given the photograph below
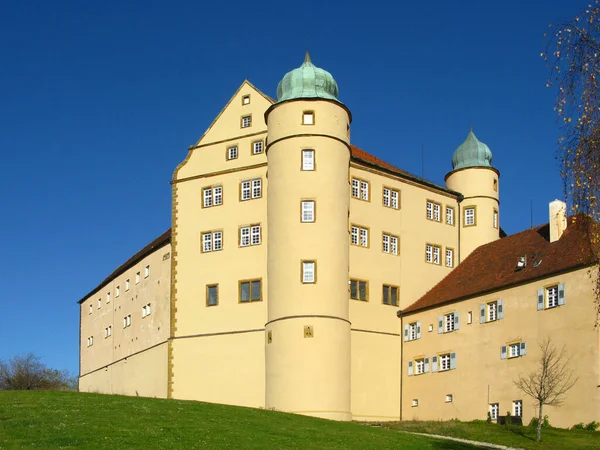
x=308 y=328
x=475 y=178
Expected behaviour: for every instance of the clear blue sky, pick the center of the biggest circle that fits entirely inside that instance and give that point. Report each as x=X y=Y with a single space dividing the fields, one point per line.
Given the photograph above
x=99 y=102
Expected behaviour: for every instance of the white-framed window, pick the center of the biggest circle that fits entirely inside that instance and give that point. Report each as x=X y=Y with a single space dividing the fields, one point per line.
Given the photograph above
x=412 y=331
x=90 y=341
x=308 y=159
x=434 y=211
x=448 y=323
x=449 y=398
x=127 y=284
x=415 y=402
x=432 y=253
x=127 y=321
x=99 y=303
x=444 y=362
x=391 y=198
x=469 y=317
x=309 y=272
x=551 y=296
x=108 y=331
x=245 y=99
x=250 y=235
x=492 y=311
x=257 y=147
x=232 y=152
x=359 y=236
x=449 y=257
x=360 y=189
x=212 y=196
x=117 y=291
x=147 y=271
x=390 y=244
x=518 y=408
x=212 y=241
x=390 y=295
x=495 y=219
x=308 y=211
x=469 y=216
x=146 y=310
x=449 y=215
x=308 y=118
x=513 y=350
x=246 y=121
x=251 y=189
x=359 y=290
x=494 y=408
x=108 y=297
x=137 y=277
x=419 y=366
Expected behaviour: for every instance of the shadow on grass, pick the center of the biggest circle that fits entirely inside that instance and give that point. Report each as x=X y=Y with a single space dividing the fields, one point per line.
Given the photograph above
x=521 y=432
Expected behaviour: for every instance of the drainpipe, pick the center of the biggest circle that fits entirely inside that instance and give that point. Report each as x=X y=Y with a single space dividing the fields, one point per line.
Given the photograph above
x=399 y=315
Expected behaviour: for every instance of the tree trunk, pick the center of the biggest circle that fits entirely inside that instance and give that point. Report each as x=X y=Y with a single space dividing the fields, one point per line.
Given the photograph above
x=539 y=425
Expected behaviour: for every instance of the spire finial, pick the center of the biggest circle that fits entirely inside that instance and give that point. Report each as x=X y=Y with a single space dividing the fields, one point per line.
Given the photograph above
x=307 y=57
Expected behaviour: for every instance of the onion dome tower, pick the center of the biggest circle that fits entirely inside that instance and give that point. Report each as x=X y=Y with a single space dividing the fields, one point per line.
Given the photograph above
x=474 y=177
x=308 y=328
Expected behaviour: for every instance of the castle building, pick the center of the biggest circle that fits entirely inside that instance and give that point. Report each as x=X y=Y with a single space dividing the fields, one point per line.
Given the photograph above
x=303 y=274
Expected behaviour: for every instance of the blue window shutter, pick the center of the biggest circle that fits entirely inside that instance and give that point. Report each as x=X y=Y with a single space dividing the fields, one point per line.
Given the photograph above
x=410 y=368
x=500 y=309
x=456 y=321
x=418 y=330
x=503 y=352
x=561 y=294
x=452 y=360
x=426 y=364
x=482 y=313
x=523 y=349
x=434 y=363
x=540 y=299
x=440 y=324
x=405 y=333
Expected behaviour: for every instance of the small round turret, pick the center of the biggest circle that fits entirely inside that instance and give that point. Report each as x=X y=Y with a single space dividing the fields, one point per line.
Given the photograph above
x=307 y=81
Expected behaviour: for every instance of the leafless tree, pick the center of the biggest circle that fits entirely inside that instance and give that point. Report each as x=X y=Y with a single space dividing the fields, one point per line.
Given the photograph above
x=29 y=373
x=550 y=382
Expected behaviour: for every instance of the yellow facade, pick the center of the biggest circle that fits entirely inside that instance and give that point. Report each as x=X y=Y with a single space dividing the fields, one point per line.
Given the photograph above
x=265 y=303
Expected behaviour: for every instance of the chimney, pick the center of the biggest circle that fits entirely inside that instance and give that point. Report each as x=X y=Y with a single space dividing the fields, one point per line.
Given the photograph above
x=558 y=219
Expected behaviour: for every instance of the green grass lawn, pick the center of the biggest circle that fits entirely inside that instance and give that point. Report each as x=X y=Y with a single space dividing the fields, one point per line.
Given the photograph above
x=48 y=420
x=512 y=436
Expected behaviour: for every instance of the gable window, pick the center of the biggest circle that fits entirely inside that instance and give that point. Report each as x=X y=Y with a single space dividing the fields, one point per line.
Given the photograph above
x=212 y=241
x=391 y=198
x=360 y=189
x=551 y=296
x=359 y=290
x=308 y=211
x=245 y=100
x=470 y=216
x=309 y=272
x=449 y=257
x=250 y=291
x=212 y=295
x=246 y=121
x=257 y=147
x=390 y=295
x=232 y=152
x=251 y=189
x=250 y=235
x=518 y=408
x=495 y=219
x=432 y=253
x=390 y=244
x=359 y=236
x=494 y=408
x=433 y=211
x=212 y=196
x=412 y=331
x=308 y=118
x=308 y=160
x=448 y=323
x=449 y=215
x=513 y=350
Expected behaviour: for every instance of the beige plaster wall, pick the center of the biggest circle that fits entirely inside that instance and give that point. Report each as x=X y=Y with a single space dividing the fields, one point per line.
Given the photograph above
x=481 y=377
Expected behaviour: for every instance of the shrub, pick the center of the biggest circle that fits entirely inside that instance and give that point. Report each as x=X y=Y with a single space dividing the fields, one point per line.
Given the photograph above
x=545 y=422
x=592 y=426
x=578 y=426
x=489 y=418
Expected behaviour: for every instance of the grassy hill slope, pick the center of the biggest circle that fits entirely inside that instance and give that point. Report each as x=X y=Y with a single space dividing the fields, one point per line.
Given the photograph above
x=48 y=420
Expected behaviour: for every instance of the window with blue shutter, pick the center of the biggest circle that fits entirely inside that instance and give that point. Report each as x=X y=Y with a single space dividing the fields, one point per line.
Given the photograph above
x=440 y=324
x=503 y=352
x=434 y=363
x=482 y=313
x=540 y=303
x=452 y=360
x=500 y=309
x=418 y=330
x=561 y=294
x=405 y=333
x=523 y=349
x=426 y=363
x=456 y=321
x=410 y=368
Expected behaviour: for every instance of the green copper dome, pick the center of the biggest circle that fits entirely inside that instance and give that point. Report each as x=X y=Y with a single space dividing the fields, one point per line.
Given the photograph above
x=472 y=153
x=307 y=81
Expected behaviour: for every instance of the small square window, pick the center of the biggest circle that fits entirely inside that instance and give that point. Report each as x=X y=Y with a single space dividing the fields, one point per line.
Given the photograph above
x=232 y=152
x=257 y=147
x=245 y=100
x=308 y=118
x=246 y=121
x=448 y=398
x=415 y=402
x=212 y=295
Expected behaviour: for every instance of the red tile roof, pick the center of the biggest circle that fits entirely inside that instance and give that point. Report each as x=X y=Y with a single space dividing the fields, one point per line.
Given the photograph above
x=494 y=266
x=157 y=243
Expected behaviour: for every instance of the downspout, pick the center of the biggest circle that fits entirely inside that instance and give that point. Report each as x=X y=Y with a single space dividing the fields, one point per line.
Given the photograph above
x=399 y=315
